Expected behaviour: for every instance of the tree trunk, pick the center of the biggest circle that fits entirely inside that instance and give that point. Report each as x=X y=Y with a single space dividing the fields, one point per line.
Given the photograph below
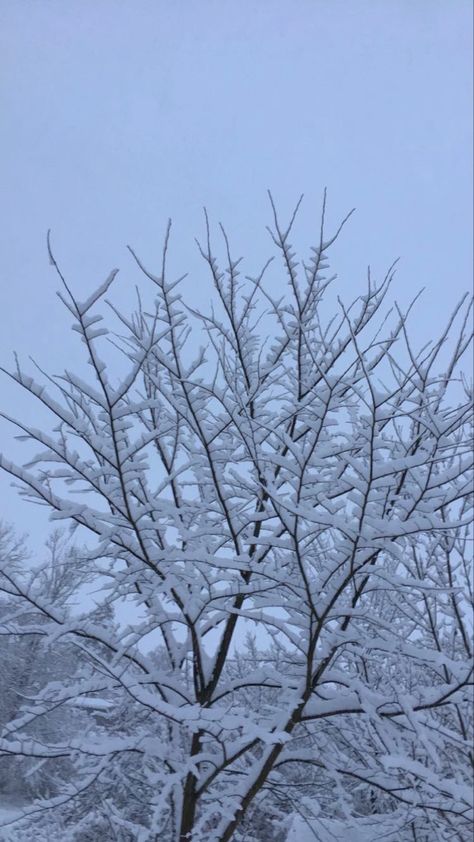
x=188 y=811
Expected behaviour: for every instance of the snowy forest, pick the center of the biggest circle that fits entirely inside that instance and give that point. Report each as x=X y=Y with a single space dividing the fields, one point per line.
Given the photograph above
x=252 y=620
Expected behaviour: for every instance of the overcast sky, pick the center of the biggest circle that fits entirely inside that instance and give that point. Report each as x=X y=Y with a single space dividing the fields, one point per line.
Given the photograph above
x=120 y=113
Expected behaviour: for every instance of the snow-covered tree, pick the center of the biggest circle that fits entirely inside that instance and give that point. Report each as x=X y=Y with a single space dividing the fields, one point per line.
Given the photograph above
x=304 y=478
x=27 y=662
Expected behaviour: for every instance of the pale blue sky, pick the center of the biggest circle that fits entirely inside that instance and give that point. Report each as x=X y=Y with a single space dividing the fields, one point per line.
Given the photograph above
x=120 y=113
